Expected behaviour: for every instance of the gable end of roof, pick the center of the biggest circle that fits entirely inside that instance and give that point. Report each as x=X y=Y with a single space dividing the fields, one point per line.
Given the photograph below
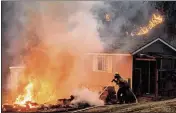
x=147 y=45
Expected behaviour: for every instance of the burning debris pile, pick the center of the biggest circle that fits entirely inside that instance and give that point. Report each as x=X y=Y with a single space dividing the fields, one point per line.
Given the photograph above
x=82 y=98
x=29 y=106
x=52 y=52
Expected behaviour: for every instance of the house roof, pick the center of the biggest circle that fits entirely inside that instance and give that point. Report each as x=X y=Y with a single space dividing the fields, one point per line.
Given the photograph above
x=150 y=43
x=122 y=54
x=128 y=45
x=138 y=45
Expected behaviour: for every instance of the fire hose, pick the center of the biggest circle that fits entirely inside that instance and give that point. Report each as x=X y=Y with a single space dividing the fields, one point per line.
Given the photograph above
x=134 y=95
x=104 y=90
x=99 y=96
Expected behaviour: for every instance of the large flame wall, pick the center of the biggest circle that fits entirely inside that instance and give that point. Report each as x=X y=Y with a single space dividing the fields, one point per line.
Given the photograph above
x=52 y=45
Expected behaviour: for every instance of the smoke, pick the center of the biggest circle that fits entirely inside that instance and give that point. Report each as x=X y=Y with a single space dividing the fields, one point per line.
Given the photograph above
x=50 y=39
x=126 y=17
x=84 y=95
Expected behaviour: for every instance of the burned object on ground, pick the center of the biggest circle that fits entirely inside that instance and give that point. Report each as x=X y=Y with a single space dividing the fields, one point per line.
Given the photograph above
x=28 y=106
x=124 y=93
x=8 y=108
x=109 y=95
x=61 y=106
x=65 y=102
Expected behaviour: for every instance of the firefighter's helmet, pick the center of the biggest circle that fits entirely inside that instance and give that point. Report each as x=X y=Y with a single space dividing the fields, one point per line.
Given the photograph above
x=117 y=75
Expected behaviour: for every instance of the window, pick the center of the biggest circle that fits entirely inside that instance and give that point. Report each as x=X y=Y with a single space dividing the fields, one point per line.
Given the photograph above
x=102 y=63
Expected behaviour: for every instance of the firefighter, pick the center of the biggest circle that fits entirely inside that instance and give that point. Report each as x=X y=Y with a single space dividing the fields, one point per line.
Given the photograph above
x=123 y=89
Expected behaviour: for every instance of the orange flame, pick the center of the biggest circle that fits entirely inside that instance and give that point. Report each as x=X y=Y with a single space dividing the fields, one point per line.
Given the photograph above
x=107 y=17
x=156 y=20
x=22 y=99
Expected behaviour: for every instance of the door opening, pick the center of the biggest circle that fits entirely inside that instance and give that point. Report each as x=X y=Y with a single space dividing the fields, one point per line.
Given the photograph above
x=144 y=77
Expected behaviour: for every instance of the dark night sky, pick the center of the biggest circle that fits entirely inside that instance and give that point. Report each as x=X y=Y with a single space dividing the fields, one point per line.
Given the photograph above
x=169 y=10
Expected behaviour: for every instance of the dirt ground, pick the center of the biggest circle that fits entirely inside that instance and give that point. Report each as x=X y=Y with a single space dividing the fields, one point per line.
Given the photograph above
x=159 y=106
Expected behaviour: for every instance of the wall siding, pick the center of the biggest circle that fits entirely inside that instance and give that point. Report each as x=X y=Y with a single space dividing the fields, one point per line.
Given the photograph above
x=120 y=63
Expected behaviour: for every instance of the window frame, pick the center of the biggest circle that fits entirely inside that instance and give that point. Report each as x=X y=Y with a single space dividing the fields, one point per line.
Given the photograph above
x=106 y=62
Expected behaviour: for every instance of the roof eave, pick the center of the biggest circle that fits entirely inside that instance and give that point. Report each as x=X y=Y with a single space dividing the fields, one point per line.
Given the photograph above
x=158 y=39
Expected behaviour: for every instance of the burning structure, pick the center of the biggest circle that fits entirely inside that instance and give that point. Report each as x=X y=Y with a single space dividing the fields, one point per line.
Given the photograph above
x=155 y=20
x=57 y=59
x=149 y=69
x=151 y=65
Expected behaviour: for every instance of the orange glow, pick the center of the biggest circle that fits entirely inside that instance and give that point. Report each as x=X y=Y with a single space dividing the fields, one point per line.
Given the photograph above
x=53 y=57
x=22 y=99
x=50 y=77
x=26 y=98
x=107 y=17
x=156 y=20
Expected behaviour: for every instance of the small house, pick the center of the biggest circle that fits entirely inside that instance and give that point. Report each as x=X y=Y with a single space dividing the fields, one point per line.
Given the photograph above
x=150 y=70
